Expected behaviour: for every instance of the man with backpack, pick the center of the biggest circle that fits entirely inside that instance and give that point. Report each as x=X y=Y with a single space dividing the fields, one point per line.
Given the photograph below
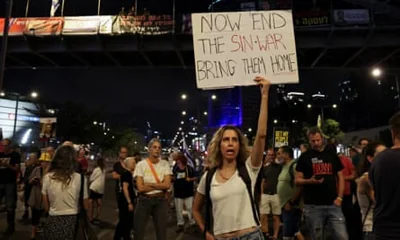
x=289 y=193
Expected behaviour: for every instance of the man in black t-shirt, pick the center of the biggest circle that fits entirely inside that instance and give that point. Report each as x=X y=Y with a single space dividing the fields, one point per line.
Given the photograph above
x=9 y=167
x=269 y=198
x=126 y=201
x=119 y=168
x=184 y=178
x=384 y=176
x=319 y=171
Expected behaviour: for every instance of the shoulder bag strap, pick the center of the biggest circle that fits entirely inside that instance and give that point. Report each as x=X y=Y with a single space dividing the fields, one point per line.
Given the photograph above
x=81 y=205
x=207 y=223
x=246 y=178
x=153 y=171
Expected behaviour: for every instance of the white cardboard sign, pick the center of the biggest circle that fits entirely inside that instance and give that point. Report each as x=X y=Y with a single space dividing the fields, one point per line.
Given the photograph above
x=232 y=48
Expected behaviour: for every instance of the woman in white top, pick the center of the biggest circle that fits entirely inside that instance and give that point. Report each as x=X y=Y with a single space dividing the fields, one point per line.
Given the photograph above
x=233 y=210
x=96 y=185
x=153 y=180
x=60 y=191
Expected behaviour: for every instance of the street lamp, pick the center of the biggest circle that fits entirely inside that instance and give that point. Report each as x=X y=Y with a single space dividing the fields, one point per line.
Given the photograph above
x=183 y=113
x=34 y=94
x=377 y=72
x=309 y=106
x=334 y=106
x=275 y=121
x=250 y=129
x=183 y=96
x=2 y=94
x=214 y=97
x=205 y=113
x=182 y=122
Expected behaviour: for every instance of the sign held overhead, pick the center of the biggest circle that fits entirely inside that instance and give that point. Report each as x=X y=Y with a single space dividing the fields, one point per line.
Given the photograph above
x=231 y=48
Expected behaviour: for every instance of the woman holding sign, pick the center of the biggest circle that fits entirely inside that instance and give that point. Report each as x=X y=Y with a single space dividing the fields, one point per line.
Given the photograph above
x=230 y=189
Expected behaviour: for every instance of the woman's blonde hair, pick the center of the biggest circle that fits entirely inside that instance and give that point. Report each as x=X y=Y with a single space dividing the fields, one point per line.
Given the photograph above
x=214 y=148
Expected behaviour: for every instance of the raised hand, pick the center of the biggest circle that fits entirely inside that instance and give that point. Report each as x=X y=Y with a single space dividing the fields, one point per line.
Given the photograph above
x=263 y=83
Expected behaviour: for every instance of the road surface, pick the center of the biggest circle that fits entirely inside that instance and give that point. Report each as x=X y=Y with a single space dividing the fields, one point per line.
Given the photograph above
x=108 y=218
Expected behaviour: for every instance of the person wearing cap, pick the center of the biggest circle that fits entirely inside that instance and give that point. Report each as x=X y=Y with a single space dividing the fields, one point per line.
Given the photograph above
x=35 y=199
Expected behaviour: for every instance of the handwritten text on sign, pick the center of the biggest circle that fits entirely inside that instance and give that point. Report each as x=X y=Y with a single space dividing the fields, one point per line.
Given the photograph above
x=232 y=48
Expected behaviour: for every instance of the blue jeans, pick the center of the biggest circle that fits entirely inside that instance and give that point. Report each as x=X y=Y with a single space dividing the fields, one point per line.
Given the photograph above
x=255 y=235
x=291 y=220
x=9 y=192
x=316 y=217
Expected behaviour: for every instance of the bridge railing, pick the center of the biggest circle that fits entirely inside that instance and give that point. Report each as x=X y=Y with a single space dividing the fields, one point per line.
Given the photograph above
x=161 y=17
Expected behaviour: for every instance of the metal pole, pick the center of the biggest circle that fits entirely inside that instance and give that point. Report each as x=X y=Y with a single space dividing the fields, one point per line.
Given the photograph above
x=62 y=8
x=398 y=91
x=173 y=18
x=98 y=7
x=15 y=116
x=3 y=50
x=322 y=117
x=27 y=8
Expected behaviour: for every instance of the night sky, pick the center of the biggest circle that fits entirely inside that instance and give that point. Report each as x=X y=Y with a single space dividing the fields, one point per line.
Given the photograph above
x=152 y=94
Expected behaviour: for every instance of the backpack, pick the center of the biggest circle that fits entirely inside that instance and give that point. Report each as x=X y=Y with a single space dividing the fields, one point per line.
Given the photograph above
x=255 y=201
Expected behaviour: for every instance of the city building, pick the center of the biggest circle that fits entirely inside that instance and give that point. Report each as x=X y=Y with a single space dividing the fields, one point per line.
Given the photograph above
x=27 y=126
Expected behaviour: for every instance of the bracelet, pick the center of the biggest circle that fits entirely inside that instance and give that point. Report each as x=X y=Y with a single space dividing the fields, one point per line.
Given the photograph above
x=339 y=198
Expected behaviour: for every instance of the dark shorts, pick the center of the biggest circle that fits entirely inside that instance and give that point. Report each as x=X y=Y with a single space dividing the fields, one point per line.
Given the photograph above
x=94 y=195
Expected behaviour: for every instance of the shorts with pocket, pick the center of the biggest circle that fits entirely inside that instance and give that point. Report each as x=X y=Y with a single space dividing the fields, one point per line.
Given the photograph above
x=270 y=204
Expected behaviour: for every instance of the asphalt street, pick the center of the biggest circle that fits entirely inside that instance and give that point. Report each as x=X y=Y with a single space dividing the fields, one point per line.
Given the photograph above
x=108 y=221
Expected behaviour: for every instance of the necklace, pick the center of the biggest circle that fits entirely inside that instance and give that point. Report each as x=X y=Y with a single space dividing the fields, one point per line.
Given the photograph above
x=223 y=177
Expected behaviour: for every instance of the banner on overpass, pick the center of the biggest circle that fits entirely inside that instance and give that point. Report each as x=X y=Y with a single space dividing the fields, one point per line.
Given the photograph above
x=85 y=25
x=351 y=17
x=312 y=18
x=143 y=24
x=106 y=24
x=17 y=26
x=44 y=26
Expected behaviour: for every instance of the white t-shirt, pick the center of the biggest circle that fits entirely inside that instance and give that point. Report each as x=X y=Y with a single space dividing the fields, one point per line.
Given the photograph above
x=143 y=170
x=97 y=180
x=231 y=204
x=64 y=200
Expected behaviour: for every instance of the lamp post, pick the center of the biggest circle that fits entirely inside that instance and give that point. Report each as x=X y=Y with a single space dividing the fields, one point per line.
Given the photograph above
x=3 y=49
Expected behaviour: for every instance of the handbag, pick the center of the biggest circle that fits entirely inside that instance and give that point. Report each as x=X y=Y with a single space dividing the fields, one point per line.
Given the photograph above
x=83 y=230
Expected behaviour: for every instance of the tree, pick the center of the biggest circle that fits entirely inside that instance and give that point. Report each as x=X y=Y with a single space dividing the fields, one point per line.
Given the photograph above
x=331 y=129
x=134 y=141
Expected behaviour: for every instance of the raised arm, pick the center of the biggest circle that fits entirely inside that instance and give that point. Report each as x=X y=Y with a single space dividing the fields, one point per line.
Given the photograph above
x=259 y=141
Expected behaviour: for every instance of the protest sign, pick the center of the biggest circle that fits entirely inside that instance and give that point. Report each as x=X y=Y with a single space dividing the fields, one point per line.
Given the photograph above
x=281 y=137
x=232 y=48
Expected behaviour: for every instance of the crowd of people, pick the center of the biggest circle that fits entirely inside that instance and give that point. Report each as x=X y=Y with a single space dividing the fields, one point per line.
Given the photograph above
x=322 y=193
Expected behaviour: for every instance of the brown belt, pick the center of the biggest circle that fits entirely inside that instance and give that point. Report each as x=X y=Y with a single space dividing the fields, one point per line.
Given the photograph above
x=155 y=195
